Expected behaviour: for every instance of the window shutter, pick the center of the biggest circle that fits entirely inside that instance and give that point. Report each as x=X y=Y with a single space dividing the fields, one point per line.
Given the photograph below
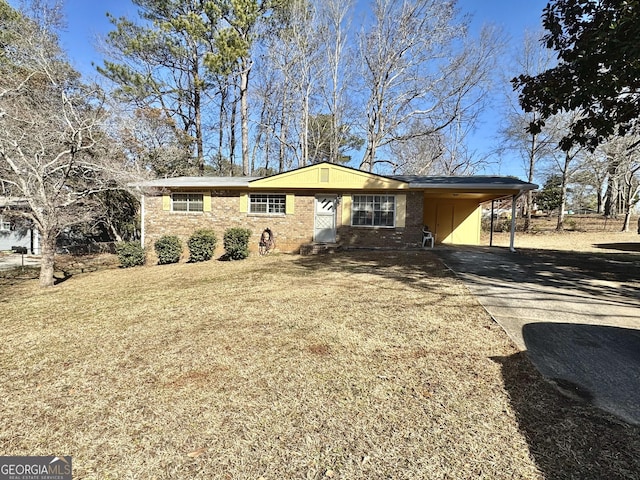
x=290 y=201
x=206 y=202
x=401 y=211
x=346 y=210
x=166 y=202
x=244 y=202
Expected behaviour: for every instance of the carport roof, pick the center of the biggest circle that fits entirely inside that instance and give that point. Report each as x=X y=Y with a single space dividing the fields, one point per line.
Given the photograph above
x=478 y=181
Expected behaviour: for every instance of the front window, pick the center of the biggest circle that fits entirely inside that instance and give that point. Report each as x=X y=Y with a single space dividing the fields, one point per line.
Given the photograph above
x=5 y=226
x=373 y=210
x=265 y=203
x=187 y=202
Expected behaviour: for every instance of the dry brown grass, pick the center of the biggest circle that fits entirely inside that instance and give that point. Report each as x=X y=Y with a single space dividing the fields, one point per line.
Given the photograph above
x=584 y=233
x=359 y=365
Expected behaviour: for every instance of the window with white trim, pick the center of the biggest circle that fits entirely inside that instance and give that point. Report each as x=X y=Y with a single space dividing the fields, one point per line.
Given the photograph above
x=373 y=210
x=267 y=203
x=5 y=225
x=187 y=202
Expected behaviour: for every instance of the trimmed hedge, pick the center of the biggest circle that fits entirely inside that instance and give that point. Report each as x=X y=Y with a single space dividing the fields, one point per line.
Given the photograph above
x=130 y=254
x=236 y=243
x=201 y=245
x=169 y=249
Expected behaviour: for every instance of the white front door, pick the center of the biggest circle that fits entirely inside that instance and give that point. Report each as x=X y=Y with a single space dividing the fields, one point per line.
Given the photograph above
x=325 y=219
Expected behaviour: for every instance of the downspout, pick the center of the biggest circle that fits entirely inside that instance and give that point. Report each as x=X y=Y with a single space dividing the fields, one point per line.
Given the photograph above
x=513 y=223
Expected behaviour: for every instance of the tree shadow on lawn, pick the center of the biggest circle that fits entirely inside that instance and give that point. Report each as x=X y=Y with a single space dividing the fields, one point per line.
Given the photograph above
x=568 y=438
x=416 y=268
x=622 y=246
x=413 y=262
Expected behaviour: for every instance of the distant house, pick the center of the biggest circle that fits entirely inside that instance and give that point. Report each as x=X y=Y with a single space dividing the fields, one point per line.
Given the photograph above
x=325 y=203
x=14 y=231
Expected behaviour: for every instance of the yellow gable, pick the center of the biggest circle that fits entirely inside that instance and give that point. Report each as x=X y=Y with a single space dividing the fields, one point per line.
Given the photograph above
x=328 y=176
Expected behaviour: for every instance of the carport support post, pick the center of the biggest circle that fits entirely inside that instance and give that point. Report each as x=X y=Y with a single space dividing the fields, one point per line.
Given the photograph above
x=513 y=223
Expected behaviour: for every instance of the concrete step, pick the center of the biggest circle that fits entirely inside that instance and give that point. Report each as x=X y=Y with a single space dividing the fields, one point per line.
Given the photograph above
x=319 y=248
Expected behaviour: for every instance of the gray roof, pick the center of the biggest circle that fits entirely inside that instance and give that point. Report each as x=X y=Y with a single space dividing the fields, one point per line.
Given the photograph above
x=198 y=182
x=478 y=181
x=414 y=181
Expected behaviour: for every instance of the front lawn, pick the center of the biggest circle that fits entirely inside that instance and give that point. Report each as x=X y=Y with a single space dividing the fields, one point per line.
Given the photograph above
x=356 y=365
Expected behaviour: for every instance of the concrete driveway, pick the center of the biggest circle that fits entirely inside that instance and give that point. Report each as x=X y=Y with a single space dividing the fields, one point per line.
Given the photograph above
x=576 y=314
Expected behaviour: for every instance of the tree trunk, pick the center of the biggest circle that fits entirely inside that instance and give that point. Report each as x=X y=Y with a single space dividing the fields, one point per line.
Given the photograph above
x=600 y=202
x=304 y=157
x=232 y=137
x=284 y=114
x=48 y=246
x=532 y=162
x=197 y=105
x=611 y=196
x=630 y=191
x=527 y=218
x=244 y=114
x=369 y=155
x=222 y=120
x=116 y=236
x=563 y=192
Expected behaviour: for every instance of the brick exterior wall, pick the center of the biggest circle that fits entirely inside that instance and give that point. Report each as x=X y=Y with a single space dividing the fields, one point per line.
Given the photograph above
x=291 y=230
x=379 y=237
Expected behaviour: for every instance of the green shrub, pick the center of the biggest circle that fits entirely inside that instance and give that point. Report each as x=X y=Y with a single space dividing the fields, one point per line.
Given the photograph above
x=236 y=243
x=201 y=245
x=168 y=249
x=130 y=254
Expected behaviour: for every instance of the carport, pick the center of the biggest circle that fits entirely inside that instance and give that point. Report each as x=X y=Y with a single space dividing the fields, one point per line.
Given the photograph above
x=452 y=205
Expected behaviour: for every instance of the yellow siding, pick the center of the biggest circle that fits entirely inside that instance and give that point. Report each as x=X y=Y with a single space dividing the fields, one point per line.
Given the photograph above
x=466 y=220
x=453 y=221
x=327 y=176
x=290 y=202
x=206 y=201
x=244 y=202
x=166 y=202
x=401 y=210
x=346 y=210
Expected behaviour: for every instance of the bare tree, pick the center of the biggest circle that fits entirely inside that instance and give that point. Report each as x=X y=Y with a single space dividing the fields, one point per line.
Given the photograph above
x=419 y=68
x=418 y=155
x=532 y=147
x=623 y=182
x=52 y=149
x=594 y=174
x=335 y=22
x=151 y=141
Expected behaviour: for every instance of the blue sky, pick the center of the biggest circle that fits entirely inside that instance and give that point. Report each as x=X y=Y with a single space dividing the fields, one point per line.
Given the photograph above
x=87 y=20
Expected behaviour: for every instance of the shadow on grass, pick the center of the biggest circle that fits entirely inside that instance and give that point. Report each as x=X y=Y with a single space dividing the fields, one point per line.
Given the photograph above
x=568 y=439
x=417 y=268
x=412 y=262
x=622 y=246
